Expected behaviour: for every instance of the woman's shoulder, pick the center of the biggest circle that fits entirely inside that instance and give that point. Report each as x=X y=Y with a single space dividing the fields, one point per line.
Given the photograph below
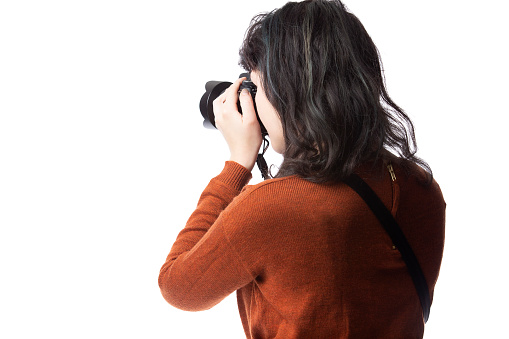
x=285 y=193
x=275 y=189
x=291 y=193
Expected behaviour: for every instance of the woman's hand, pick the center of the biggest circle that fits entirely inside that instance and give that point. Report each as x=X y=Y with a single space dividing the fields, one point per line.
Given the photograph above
x=241 y=131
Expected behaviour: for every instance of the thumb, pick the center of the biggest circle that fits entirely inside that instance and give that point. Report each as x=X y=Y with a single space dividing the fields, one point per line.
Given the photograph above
x=247 y=105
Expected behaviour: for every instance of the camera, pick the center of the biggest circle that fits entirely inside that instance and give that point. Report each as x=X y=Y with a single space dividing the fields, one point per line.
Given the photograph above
x=213 y=89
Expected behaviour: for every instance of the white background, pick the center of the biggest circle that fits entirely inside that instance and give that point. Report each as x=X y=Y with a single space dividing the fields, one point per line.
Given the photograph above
x=103 y=155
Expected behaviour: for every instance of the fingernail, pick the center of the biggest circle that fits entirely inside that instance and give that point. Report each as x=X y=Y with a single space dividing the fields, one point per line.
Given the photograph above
x=245 y=92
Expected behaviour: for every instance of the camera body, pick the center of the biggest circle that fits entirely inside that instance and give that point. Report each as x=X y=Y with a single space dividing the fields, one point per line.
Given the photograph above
x=213 y=89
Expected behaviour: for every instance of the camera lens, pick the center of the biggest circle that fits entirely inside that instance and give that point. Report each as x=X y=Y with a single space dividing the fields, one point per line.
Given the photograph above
x=213 y=89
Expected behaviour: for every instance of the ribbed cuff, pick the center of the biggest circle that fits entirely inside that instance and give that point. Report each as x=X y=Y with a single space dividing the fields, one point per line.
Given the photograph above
x=234 y=175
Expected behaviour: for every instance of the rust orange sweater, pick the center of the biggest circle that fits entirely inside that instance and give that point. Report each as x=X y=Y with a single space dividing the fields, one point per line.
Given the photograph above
x=307 y=260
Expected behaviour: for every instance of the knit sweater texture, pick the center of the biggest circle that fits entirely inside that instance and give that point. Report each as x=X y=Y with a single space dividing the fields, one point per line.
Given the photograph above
x=308 y=260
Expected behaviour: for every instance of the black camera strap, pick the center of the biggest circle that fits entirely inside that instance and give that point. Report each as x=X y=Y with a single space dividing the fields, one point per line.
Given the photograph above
x=260 y=160
x=398 y=238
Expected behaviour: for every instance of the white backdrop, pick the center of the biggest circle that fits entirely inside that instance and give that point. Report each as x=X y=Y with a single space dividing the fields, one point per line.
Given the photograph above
x=103 y=156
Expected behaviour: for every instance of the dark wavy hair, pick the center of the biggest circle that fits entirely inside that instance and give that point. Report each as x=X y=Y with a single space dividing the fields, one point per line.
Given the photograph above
x=322 y=73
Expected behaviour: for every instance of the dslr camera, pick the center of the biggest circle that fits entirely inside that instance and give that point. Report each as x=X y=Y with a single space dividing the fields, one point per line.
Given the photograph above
x=213 y=89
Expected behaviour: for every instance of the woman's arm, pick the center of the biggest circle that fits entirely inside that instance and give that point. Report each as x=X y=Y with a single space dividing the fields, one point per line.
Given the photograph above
x=202 y=268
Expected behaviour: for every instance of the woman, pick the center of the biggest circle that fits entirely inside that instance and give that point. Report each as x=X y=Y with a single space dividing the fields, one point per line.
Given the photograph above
x=305 y=254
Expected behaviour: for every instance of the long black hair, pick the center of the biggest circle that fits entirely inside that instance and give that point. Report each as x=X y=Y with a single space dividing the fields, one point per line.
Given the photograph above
x=322 y=73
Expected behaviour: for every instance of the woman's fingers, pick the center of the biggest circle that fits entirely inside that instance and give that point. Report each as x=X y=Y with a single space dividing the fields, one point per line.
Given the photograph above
x=241 y=132
x=225 y=105
x=247 y=105
x=232 y=92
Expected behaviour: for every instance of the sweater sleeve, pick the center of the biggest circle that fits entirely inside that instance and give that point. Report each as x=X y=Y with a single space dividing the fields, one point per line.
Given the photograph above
x=202 y=268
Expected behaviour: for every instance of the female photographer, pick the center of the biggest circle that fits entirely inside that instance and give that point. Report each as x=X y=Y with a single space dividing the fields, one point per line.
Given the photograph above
x=304 y=252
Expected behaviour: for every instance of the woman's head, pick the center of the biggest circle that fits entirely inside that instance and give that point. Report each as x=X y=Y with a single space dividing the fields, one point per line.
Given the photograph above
x=321 y=72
